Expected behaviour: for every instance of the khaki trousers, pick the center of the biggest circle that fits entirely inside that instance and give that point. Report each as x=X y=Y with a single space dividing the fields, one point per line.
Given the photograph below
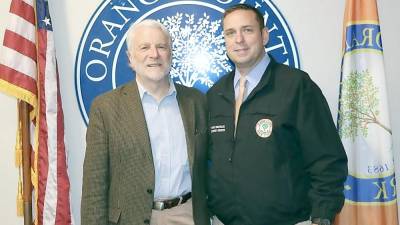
x=178 y=215
x=216 y=221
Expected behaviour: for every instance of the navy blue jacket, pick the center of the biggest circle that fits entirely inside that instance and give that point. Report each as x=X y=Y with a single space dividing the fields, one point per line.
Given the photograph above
x=286 y=163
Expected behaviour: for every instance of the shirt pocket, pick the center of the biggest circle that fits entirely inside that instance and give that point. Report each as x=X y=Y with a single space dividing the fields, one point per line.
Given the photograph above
x=113 y=215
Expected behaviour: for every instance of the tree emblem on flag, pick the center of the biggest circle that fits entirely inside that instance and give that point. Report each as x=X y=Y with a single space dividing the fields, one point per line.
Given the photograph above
x=358 y=105
x=197 y=49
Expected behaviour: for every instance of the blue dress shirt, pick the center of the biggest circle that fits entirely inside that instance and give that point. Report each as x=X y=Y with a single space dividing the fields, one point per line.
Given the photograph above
x=253 y=78
x=168 y=144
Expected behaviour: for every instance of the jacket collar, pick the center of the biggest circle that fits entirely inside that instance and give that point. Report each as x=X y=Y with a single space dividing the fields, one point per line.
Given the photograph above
x=135 y=118
x=186 y=107
x=227 y=90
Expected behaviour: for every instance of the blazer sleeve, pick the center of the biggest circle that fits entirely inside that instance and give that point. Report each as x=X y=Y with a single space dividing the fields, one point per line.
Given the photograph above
x=94 y=202
x=323 y=152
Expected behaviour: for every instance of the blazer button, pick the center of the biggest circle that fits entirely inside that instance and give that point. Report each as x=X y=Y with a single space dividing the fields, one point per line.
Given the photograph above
x=146 y=221
x=150 y=191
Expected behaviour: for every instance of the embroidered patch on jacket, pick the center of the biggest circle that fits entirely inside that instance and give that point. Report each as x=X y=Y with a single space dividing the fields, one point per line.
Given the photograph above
x=264 y=128
x=217 y=128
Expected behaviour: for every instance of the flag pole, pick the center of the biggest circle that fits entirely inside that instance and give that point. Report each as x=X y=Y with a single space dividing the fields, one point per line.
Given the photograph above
x=26 y=161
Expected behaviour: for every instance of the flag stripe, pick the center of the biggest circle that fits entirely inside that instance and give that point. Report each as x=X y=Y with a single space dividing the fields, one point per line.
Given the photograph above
x=19 y=62
x=43 y=154
x=360 y=10
x=20 y=26
x=20 y=44
x=368 y=214
x=63 y=216
x=24 y=10
x=17 y=78
x=29 y=2
x=50 y=113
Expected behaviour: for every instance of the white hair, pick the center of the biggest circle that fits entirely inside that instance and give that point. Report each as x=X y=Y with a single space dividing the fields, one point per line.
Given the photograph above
x=145 y=23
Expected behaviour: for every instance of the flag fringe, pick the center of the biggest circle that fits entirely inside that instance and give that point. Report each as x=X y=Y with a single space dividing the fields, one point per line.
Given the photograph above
x=20 y=201
x=18 y=147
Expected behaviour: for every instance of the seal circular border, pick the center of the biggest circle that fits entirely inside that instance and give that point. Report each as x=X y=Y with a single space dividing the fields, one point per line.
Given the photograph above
x=104 y=4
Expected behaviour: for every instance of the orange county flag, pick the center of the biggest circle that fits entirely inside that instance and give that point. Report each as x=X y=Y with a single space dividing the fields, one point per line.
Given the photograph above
x=28 y=71
x=363 y=121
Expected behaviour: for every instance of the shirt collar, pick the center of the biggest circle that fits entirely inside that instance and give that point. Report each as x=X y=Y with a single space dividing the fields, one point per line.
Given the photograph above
x=255 y=74
x=143 y=92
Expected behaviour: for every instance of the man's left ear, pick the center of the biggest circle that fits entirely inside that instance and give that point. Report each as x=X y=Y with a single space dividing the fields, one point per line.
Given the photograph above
x=265 y=35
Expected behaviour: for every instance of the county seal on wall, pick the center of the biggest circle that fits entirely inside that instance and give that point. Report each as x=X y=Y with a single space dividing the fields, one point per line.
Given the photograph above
x=199 y=57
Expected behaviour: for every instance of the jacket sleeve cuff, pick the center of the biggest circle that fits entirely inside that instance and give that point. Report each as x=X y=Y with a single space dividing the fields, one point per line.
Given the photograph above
x=321 y=213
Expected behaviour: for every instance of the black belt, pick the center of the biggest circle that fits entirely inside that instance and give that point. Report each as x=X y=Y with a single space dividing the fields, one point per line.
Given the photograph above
x=167 y=204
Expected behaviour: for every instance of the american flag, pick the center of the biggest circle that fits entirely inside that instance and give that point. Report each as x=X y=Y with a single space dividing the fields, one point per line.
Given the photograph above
x=28 y=71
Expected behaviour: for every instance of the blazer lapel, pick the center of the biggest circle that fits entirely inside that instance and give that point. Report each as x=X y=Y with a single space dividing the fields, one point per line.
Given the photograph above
x=134 y=115
x=186 y=107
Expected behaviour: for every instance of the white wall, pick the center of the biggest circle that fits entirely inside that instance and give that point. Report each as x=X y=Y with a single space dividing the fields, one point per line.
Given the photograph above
x=316 y=25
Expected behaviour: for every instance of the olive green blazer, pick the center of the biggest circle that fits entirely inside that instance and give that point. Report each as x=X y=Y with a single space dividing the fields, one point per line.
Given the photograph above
x=118 y=171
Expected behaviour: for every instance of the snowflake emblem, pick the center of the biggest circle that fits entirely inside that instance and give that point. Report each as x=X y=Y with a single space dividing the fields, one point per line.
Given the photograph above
x=198 y=49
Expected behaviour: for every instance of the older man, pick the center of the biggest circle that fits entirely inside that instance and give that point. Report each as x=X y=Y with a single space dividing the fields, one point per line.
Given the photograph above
x=146 y=143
